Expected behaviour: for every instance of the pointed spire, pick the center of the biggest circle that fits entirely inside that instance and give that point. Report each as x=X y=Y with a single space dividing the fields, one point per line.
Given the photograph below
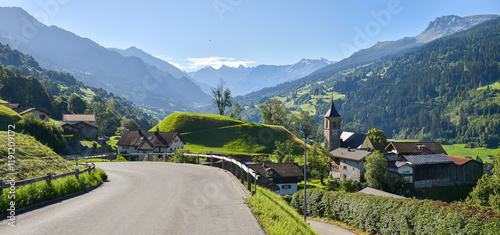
x=332 y=112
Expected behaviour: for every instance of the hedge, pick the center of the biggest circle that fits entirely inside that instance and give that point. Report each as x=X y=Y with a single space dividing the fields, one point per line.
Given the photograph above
x=385 y=215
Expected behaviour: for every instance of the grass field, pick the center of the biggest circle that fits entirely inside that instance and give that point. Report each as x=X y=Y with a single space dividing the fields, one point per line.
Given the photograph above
x=210 y=132
x=8 y=117
x=275 y=215
x=33 y=159
x=458 y=150
x=495 y=85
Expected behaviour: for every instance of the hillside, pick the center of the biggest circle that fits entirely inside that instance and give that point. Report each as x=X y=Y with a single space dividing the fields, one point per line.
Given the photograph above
x=436 y=92
x=441 y=26
x=210 y=132
x=8 y=117
x=58 y=49
x=33 y=159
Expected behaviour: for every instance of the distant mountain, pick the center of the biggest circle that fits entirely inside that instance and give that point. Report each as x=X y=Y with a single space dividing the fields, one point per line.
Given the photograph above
x=128 y=76
x=441 y=26
x=151 y=60
x=243 y=80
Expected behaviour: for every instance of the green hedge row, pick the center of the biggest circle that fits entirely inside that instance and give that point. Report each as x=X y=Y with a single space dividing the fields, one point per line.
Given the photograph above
x=41 y=191
x=385 y=215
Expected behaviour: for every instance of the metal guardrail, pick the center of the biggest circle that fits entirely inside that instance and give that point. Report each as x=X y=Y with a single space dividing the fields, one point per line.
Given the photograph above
x=49 y=177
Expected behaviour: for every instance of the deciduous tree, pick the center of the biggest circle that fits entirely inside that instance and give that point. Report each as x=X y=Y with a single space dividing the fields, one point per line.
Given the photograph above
x=221 y=97
x=376 y=170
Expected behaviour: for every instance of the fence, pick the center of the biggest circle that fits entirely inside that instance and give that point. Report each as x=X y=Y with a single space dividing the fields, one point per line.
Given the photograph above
x=240 y=170
x=49 y=177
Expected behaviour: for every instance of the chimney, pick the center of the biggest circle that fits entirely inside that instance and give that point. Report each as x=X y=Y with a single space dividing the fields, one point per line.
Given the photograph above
x=156 y=133
x=348 y=149
x=140 y=133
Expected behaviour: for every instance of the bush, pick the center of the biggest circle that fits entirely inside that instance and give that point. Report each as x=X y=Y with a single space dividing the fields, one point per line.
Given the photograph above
x=385 y=215
x=72 y=137
x=121 y=159
x=46 y=133
x=41 y=191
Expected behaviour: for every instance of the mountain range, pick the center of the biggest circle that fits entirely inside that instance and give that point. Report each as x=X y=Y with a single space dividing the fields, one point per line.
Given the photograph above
x=127 y=76
x=243 y=80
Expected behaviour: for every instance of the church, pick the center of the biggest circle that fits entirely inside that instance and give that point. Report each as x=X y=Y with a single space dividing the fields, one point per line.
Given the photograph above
x=348 y=149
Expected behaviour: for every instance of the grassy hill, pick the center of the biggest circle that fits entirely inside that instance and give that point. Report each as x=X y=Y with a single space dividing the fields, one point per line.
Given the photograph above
x=8 y=117
x=210 y=132
x=33 y=159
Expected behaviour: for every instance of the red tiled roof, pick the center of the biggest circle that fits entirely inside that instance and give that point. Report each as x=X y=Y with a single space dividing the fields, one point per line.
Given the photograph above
x=459 y=160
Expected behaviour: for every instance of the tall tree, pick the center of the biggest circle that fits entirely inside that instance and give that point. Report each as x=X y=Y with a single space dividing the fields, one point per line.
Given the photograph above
x=221 y=97
x=283 y=149
x=306 y=126
x=376 y=170
x=317 y=162
x=76 y=104
x=378 y=139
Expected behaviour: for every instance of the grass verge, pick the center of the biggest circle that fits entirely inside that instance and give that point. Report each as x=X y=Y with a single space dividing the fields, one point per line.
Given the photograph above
x=459 y=150
x=31 y=194
x=275 y=215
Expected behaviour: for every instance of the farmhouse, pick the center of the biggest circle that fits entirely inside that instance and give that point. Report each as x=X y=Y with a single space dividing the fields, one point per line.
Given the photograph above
x=282 y=178
x=84 y=125
x=348 y=163
x=39 y=113
x=426 y=164
x=150 y=142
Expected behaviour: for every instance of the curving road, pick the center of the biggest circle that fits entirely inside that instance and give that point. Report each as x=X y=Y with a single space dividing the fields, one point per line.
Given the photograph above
x=147 y=198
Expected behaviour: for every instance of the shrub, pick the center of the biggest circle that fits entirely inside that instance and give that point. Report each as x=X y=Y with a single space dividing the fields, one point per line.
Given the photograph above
x=385 y=215
x=46 y=133
x=34 y=193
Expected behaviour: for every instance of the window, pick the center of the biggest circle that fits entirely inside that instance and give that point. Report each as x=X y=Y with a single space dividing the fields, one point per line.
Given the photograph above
x=151 y=137
x=345 y=167
x=406 y=171
x=286 y=186
x=142 y=137
x=270 y=172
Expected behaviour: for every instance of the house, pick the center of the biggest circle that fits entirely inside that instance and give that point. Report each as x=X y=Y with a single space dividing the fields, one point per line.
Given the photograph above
x=355 y=140
x=85 y=130
x=468 y=171
x=414 y=148
x=149 y=142
x=348 y=163
x=39 y=113
x=282 y=178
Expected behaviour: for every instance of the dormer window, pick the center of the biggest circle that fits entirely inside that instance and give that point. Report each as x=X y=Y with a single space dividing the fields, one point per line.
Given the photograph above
x=151 y=137
x=270 y=172
x=142 y=137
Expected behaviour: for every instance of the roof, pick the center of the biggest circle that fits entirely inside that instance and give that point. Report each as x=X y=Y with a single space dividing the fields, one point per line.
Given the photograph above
x=22 y=111
x=350 y=154
x=391 y=157
x=148 y=140
x=352 y=139
x=414 y=148
x=428 y=159
x=10 y=105
x=460 y=160
x=332 y=112
x=281 y=169
x=377 y=192
x=78 y=117
x=73 y=124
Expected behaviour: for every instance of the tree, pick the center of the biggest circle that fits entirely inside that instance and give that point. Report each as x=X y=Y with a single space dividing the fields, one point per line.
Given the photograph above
x=317 y=162
x=378 y=139
x=221 y=97
x=376 y=170
x=283 y=149
x=76 y=104
x=235 y=113
x=274 y=113
x=109 y=122
x=306 y=126
x=130 y=125
x=487 y=190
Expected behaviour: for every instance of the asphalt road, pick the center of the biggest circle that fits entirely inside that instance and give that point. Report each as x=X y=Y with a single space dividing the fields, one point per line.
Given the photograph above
x=147 y=198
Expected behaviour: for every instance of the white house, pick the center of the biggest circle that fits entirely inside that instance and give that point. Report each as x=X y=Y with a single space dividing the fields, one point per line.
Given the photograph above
x=150 y=142
x=281 y=178
x=348 y=163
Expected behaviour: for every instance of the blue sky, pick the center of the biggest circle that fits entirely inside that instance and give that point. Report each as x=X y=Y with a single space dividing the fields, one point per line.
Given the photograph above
x=193 y=34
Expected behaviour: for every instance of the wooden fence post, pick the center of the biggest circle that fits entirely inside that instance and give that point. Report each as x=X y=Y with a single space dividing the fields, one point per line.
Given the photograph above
x=255 y=184
x=223 y=164
x=242 y=177
x=1 y=187
x=90 y=169
x=211 y=159
x=76 y=160
x=77 y=171
x=198 y=158
x=49 y=179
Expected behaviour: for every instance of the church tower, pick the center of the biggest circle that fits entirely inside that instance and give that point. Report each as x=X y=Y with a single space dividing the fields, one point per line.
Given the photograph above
x=332 y=128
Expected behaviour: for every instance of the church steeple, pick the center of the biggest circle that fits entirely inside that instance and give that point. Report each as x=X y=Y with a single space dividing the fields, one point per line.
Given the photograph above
x=332 y=127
